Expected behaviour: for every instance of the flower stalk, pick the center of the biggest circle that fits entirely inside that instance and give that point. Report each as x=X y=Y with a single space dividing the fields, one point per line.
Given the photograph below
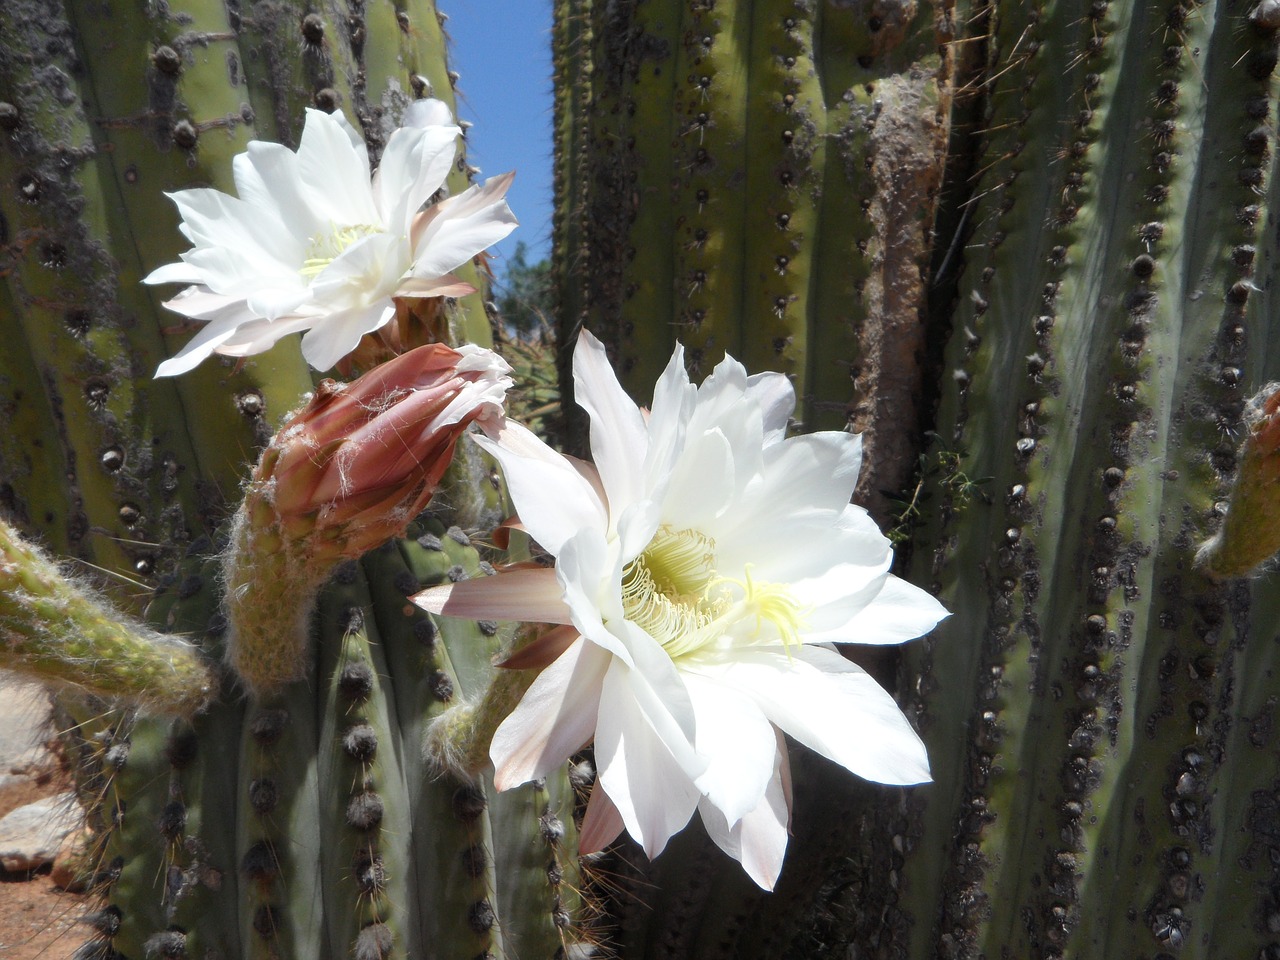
x=347 y=471
x=1250 y=532
x=59 y=632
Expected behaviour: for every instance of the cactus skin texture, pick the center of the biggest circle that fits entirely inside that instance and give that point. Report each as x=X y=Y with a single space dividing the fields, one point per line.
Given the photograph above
x=762 y=178
x=1100 y=713
x=1098 y=710
x=306 y=825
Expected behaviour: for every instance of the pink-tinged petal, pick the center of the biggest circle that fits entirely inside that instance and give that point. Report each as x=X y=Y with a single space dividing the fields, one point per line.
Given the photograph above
x=530 y=594
x=619 y=441
x=543 y=650
x=653 y=791
x=554 y=719
x=461 y=227
x=897 y=612
x=832 y=706
x=738 y=742
x=255 y=336
x=601 y=824
x=199 y=303
x=552 y=498
x=446 y=286
x=333 y=337
x=776 y=397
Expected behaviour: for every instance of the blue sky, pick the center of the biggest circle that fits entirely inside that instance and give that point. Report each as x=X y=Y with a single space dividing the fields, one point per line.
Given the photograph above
x=502 y=51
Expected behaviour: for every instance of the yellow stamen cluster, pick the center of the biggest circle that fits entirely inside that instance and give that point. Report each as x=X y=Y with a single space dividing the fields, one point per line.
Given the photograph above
x=673 y=592
x=324 y=248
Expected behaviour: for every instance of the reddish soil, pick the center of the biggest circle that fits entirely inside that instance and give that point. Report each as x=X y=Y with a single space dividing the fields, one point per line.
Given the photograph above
x=37 y=920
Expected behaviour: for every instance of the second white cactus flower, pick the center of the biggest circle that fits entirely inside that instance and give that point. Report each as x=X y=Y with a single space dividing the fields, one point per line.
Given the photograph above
x=703 y=566
x=313 y=244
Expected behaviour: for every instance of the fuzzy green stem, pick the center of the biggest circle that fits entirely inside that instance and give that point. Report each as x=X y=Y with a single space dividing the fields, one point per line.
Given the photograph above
x=271 y=586
x=458 y=741
x=56 y=631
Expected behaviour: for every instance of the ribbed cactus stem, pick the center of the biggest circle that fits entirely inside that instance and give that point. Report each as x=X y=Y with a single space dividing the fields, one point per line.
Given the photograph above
x=57 y=631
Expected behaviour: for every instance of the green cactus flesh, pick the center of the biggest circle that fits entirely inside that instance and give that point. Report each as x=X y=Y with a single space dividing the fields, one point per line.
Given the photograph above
x=309 y=824
x=1094 y=707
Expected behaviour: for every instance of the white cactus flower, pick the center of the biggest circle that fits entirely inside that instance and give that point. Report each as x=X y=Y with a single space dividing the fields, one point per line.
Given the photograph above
x=313 y=244
x=704 y=565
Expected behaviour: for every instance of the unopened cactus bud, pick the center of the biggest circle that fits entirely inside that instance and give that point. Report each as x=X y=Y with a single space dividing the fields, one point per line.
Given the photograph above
x=345 y=473
x=1250 y=532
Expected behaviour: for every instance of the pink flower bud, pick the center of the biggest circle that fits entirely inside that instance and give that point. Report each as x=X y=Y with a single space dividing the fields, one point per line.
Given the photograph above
x=354 y=465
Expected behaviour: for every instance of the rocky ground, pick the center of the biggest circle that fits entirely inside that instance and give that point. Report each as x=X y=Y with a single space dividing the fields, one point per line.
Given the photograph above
x=38 y=818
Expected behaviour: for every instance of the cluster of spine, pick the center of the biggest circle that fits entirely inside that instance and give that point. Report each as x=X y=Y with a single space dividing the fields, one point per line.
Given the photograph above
x=310 y=824
x=1105 y=791
x=760 y=179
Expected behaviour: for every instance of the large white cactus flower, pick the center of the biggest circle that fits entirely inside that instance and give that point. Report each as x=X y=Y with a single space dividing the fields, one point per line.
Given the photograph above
x=313 y=243
x=704 y=564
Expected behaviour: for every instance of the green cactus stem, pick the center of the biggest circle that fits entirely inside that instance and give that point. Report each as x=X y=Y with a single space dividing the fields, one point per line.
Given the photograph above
x=54 y=630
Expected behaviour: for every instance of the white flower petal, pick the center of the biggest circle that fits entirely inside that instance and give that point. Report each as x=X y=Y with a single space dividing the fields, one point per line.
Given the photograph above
x=213 y=218
x=181 y=272
x=463 y=226
x=414 y=165
x=544 y=487
x=759 y=840
x=554 y=720
x=776 y=397
x=328 y=342
x=529 y=594
x=652 y=789
x=701 y=484
x=427 y=112
x=273 y=169
x=335 y=170
x=832 y=706
x=674 y=398
x=204 y=343
x=619 y=441
x=738 y=742
x=897 y=612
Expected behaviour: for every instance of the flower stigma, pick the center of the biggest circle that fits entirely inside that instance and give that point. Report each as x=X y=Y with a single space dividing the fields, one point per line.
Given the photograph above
x=324 y=248
x=673 y=592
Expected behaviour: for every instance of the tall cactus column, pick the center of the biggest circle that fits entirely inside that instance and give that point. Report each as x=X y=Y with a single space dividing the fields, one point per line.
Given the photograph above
x=763 y=177
x=1094 y=708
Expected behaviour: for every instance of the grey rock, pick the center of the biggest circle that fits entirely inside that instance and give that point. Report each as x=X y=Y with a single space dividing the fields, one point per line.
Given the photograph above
x=31 y=836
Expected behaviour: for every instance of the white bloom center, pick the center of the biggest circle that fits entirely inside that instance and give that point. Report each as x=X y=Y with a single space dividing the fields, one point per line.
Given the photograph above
x=325 y=248
x=672 y=591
